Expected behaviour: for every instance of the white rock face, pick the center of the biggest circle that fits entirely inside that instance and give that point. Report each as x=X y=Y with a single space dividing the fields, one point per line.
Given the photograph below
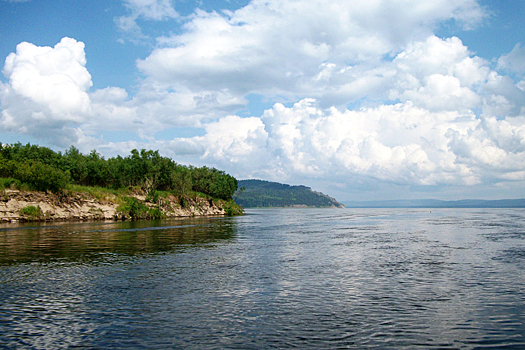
x=83 y=208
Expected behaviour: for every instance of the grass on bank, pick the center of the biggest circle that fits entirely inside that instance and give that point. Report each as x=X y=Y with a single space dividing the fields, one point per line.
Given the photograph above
x=31 y=212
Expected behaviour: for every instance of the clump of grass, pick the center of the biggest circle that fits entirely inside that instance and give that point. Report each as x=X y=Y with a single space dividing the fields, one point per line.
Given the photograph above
x=31 y=212
x=156 y=213
x=9 y=182
x=132 y=208
x=153 y=196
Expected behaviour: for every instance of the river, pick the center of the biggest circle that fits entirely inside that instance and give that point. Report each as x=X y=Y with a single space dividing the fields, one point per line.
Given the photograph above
x=274 y=278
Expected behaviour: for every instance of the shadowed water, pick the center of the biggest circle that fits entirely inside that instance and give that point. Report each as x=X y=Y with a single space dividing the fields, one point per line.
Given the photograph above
x=282 y=278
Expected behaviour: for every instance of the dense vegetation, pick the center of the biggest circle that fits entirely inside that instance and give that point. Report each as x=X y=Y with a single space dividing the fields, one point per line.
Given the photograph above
x=42 y=169
x=258 y=193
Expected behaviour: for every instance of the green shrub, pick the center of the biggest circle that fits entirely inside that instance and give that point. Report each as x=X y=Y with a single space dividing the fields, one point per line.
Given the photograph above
x=9 y=182
x=232 y=208
x=184 y=202
x=133 y=208
x=153 y=196
x=41 y=177
x=155 y=213
x=47 y=178
x=181 y=180
x=31 y=212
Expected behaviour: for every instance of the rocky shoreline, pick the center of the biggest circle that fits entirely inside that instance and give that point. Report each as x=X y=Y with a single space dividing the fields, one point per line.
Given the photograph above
x=83 y=207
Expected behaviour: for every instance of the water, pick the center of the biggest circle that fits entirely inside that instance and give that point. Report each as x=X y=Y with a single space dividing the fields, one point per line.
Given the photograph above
x=283 y=278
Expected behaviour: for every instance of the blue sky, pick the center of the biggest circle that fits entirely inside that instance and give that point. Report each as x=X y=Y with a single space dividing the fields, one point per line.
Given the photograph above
x=358 y=99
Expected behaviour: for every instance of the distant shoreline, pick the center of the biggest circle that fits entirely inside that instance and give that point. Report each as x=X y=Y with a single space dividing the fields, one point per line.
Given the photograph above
x=434 y=203
x=296 y=207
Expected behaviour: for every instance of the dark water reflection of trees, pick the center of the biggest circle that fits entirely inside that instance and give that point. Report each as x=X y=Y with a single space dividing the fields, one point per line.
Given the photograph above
x=38 y=243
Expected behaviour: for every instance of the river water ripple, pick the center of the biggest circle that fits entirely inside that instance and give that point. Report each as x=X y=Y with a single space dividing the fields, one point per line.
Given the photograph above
x=275 y=278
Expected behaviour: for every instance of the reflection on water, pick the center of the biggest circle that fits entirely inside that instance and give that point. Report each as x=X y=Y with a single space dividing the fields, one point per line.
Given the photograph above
x=37 y=242
x=316 y=279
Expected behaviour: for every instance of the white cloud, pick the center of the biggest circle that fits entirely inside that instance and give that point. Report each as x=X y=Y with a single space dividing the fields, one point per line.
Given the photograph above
x=156 y=10
x=514 y=61
x=47 y=96
x=292 y=42
x=399 y=143
x=439 y=75
x=429 y=112
x=47 y=88
x=151 y=10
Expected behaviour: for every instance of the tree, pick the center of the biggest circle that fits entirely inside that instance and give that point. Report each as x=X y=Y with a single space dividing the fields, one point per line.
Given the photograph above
x=181 y=180
x=213 y=182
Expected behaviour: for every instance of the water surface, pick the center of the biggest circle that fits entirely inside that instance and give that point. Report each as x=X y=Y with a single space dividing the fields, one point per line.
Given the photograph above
x=275 y=278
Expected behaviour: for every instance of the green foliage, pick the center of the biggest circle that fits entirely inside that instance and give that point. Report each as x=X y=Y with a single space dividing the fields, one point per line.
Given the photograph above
x=43 y=169
x=155 y=213
x=37 y=175
x=232 y=208
x=184 y=202
x=24 y=153
x=131 y=207
x=153 y=196
x=181 y=180
x=42 y=177
x=9 y=182
x=213 y=182
x=257 y=193
x=31 y=212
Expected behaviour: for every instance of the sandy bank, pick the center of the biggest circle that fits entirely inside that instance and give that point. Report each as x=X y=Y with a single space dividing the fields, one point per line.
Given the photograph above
x=83 y=207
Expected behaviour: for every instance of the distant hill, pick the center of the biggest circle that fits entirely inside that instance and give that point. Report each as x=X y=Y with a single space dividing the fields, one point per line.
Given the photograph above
x=261 y=194
x=434 y=203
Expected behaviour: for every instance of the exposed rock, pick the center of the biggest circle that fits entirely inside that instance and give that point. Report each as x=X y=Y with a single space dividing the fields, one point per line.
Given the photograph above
x=81 y=206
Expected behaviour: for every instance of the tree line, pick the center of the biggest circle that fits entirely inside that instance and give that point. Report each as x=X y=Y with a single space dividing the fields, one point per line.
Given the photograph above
x=46 y=170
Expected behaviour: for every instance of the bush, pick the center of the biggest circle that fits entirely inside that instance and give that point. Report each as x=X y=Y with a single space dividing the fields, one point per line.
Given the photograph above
x=31 y=212
x=232 y=208
x=155 y=213
x=181 y=180
x=184 y=202
x=36 y=175
x=9 y=183
x=153 y=196
x=133 y=208
x=44 y=177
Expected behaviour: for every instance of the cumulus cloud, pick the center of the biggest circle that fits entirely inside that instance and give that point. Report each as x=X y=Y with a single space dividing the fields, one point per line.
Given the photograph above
x=369 y=92
x=400 y=143
x=294 y=42
x=438 y=75
x=47 y=88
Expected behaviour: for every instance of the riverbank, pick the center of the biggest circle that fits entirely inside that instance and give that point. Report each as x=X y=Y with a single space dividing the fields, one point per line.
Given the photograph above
x=23 y=206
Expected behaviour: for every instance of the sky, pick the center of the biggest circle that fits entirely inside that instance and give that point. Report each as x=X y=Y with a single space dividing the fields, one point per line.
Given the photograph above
x=358 y=99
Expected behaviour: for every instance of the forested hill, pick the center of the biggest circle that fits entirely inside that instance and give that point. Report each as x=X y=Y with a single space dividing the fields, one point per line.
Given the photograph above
x=259 y=193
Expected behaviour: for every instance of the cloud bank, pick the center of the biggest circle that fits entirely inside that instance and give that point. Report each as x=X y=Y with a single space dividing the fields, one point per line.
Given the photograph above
x=366 y=91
